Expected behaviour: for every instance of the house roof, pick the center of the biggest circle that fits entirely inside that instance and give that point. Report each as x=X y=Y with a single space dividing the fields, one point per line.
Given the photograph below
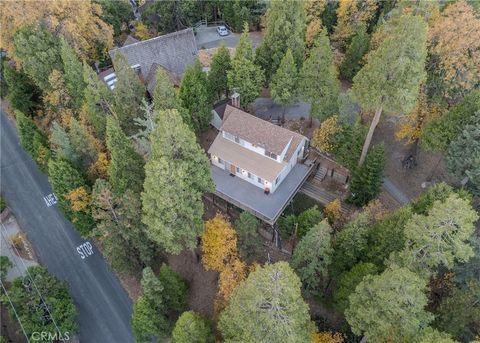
x=220 y=107
x=173 y=51
x=260 y=132
x=151 y=79
x=130 y=40
x=246 y=159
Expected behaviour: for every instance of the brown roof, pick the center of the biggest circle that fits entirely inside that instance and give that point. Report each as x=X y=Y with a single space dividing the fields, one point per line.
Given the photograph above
x=246 y=159
x=151 y=79
x=260 y=132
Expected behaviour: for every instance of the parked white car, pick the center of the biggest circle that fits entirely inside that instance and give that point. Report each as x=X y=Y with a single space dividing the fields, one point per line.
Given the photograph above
x=222 y=30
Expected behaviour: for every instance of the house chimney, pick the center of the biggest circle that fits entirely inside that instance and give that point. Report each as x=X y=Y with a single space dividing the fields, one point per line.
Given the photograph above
x=235 y=100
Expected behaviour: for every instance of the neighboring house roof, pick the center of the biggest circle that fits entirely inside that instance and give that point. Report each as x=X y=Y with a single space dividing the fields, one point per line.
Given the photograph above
x=151 y=79
x=173 y=51
x=246 y=159
x=260 y=132
x=220 y=108
x=108 y=76
x=130 y=40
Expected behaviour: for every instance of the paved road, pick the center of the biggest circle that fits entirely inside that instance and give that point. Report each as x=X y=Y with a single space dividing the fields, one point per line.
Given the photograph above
x=104 y=308
x=394 y=191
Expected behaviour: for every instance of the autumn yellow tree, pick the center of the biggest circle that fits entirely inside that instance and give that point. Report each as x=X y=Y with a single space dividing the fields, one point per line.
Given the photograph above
x=230 y=277
x=454 y=38
x=333 y=211
x=313 y=12
x=99 y=170
x=350 y=13
x=219 y=243
x=58 y=103
x=78 y=21
x=327 y=337
x=323 y=135
x=141 y=31
x=411 y=125
x=79 y=199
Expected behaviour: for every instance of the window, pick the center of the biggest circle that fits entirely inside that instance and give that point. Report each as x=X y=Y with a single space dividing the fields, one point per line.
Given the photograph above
x=259 y=179
x=229 y=135
x=276 y=180
x=237 y=140
x=220 y=161
x=238 y=170
x=250 y=176
x=270 y=154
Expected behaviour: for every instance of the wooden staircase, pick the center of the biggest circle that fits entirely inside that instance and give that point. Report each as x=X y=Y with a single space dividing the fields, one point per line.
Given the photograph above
x=321 y=174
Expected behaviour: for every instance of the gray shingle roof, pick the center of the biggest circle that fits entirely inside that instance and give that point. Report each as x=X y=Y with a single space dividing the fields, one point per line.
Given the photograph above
x=173 y=51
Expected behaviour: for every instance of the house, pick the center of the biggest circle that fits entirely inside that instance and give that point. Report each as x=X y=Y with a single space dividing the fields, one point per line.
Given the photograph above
x=173 y=52
x=256 y=165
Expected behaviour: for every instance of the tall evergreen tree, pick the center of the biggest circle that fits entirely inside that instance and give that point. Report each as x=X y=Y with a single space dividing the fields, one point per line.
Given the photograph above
x=61 y=144
x=245 y=77
x=389 y=306
x=367 y=179
x=65 y=179
x=128 y=93
x=319 y=82
x=463 y=156
x=249 y=241
x=98 y=101
x=439 y=238
x=83 y=143
x=283 y=87
x=270 y=296
x=312 y=256
x=194 y=97
x=394 y=71
x=23 y=95
x=355 y=52
x=125 y=170
x=164 y=96
x=192 y=328
x=39 y=52
x=217 y=76
x=285 y=26
x=119 y=225
x=73 y=73
x=177 y=174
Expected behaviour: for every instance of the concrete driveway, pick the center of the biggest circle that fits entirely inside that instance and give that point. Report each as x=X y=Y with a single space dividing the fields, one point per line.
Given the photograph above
x=207 y=37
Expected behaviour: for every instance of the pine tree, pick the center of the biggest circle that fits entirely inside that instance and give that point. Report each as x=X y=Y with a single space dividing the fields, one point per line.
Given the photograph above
x=38 y=50
x=73 y=70
x=194 y=97
x=355 y=52
x=164 y=96
x=270 y=296
x=174 y=294
x=463 y=156
x=192 y=328
x=312 y=256
x=391 y=78
x=23 y=95
x=65 y=178
x=285 y=26
x=83 y=143
x=245 y=77
x=125 y=170
x=61 y=144
x=308 y=219
x=283 y=86
x=98 y=101
x=217 y=76
x=177 y=174
x=146 y=125
x=119 y=225
x=367 y=178
x=128 y=93
x=249 y=241
x=319 y=84
x=389 y=306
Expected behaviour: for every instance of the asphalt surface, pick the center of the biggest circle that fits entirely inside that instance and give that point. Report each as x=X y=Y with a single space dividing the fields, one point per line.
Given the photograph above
x=104 y=308
x=394 y=191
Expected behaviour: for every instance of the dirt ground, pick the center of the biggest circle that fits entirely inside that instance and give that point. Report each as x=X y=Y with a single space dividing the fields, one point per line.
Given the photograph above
x=430 y=167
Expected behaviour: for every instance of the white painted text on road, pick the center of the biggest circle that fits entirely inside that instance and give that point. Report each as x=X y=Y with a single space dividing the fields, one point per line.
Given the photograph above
x=85 y=250
x=50 y=199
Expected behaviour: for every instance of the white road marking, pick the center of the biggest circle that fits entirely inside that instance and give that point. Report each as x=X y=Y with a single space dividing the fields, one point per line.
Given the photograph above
x=50 y=199
x=85 y=250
